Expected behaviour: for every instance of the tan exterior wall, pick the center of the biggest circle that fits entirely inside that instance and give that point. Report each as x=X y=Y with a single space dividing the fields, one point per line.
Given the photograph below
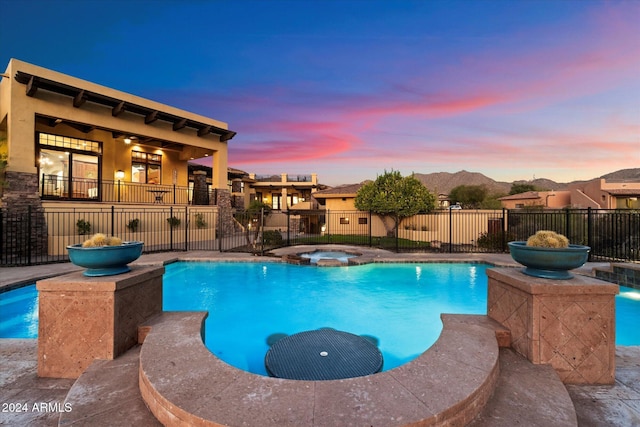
x=555 y=200
x=18 y=120
x=61 y=218
x=595 y=194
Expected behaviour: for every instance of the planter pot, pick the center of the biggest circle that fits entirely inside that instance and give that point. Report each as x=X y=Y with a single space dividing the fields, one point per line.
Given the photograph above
x=105 y=260
x=549 y=263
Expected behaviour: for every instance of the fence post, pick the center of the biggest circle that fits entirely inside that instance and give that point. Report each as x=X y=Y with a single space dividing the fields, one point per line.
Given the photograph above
x=450 y=230
x=288 y=228
x=186 y=225
x=171 y=229
x=118 y=191
x=219 y=233
x=2 y=248
x=370 y=231
x=261 y=236
x=567 y=223
x=397 y=242
x=113 y=215
x=504 y=229
x=589 y=232
x=29 y=228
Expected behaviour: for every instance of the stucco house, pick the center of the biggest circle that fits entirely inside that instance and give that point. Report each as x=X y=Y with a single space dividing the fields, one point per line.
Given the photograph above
x=595 y=194
x=68 y=139
x=541 y=199
x=600 y=194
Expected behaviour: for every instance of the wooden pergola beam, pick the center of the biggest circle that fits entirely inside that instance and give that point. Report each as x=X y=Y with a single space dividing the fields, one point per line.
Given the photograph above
x=151 y=117
x=80 y=99
x=180 y=124
x=205 y=130
x=118 y=109
x=32 y=87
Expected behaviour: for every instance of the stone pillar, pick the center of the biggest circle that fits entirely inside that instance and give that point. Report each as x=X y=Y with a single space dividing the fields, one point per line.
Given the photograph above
x=226 y=213
x=24 y=224
x=86 y=318
x=569 y=324
x=200 y=190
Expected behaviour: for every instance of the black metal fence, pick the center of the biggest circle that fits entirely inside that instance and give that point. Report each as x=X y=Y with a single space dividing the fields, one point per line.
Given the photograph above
x=53 y=187
x=613 y=235
x=37 y=236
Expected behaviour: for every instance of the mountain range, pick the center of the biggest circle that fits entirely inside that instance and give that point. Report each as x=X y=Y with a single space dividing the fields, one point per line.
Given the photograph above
x=444 y=182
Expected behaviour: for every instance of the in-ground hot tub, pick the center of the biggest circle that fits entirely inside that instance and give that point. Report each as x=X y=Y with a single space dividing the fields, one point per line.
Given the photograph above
x=337 y=256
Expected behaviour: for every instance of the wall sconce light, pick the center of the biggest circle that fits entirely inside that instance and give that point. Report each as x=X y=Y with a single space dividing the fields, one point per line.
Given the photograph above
x=127 y=140
x=119 y=174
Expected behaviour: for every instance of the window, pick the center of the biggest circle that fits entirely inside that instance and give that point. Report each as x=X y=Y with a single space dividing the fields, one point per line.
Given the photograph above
x=362 y=220
x=275 y=201
x=344 y=221
x=68 y=167
x=293 y=199
x=146 y=168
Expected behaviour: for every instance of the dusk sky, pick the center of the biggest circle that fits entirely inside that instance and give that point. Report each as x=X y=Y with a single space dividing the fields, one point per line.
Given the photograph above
x=349 y=89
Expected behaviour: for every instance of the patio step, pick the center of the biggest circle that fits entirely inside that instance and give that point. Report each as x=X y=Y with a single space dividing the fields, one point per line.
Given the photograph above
x=513 y=392
x=107 y=394
x=527 y=394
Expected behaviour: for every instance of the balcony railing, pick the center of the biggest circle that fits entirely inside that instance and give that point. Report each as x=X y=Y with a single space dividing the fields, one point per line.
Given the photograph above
x=288 y=178
x=83 y=189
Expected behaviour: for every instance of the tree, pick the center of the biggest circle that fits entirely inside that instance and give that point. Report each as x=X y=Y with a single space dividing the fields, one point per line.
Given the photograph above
x=393 y=197
x=252 y=219
x=469 y=196
x=521 y=188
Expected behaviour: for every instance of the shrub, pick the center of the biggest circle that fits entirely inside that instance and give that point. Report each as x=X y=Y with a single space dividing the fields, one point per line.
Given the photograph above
x=493 y=241
x=133 y=224
x=200 y=222
x=272 y=237
x=83 y=227
x=173 y=221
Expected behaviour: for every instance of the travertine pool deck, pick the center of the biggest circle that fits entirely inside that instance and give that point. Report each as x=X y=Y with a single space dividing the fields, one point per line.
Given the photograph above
x=617 y=405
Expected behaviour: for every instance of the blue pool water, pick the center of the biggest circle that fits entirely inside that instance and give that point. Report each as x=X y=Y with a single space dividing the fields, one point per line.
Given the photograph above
x=397 y=304
x=19 y=313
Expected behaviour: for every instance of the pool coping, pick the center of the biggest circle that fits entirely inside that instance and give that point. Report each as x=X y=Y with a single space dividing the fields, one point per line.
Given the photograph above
x=15 y=277
x=183 y=383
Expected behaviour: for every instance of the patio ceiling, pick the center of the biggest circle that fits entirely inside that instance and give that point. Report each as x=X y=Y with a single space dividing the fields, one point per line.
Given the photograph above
x=80 y=96
x=187 y=152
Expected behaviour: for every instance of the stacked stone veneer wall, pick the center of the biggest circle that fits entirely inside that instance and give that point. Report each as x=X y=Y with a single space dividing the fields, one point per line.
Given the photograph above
x=23 y=220
x=200 y=193
x=223 y=200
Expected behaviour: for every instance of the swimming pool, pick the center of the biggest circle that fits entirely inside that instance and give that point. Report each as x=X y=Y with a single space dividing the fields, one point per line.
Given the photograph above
x=250 y=303
x=396 y=305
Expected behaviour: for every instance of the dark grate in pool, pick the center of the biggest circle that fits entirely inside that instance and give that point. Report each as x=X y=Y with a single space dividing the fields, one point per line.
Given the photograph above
x=323 y=354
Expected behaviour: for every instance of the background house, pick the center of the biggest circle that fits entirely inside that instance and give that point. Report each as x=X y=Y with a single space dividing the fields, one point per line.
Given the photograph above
x=542 y=199
x=595 y=194
x=600 y=194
